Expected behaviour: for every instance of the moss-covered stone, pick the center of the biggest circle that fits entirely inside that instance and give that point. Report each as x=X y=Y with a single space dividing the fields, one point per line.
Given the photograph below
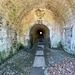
x=3 y=54
x=60 y=45
x=21 y=46
x=0 y=57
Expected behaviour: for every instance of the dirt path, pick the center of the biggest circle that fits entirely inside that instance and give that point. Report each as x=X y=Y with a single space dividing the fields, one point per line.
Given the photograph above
x=57 y=62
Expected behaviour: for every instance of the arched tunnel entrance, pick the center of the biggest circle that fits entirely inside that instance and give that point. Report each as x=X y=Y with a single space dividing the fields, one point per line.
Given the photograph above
x=39 y=33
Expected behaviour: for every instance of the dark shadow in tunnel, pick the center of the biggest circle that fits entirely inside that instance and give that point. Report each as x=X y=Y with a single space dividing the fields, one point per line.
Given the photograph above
x=39 y=33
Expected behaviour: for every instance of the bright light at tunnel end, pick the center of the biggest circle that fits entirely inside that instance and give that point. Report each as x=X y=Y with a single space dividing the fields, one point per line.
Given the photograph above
x=40 y=33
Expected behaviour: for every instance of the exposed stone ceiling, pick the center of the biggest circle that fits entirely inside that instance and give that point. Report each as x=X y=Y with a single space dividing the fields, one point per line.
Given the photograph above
x=19 y=12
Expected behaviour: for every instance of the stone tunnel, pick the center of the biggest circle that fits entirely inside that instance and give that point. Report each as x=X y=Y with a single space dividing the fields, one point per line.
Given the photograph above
x=39 y=33
x=24 y=23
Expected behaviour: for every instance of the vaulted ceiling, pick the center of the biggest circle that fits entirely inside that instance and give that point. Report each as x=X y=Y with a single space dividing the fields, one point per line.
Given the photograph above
x=18 y=11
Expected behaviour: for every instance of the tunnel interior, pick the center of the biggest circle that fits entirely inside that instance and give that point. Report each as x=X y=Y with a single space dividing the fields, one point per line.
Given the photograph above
x=39 y=33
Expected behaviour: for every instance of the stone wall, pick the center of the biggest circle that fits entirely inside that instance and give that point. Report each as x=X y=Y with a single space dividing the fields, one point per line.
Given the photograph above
x=69 y=39
x=8 y=40
x=73 y=40
x=22 y=13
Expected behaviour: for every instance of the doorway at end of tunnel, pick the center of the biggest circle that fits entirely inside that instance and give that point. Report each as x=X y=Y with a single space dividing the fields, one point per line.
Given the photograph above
x=39 y=33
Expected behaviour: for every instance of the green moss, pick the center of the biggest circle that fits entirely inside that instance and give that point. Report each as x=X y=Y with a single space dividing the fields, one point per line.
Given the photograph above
x=3 y=54
x=0 y=18
x=13 y=13
x=14 y=47
x=21 y=46
x=71 y=3
x=0 y=57
x=11 y=52
x=60 y=45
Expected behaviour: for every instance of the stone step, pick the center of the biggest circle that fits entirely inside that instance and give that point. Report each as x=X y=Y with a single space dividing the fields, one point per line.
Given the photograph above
x=39 y=53
x=40 y=42
x=39 y=61
x=41 y=46
x=37 y=71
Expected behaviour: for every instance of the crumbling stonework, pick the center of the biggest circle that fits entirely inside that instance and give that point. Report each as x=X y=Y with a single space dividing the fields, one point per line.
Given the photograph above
x=8 y=40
